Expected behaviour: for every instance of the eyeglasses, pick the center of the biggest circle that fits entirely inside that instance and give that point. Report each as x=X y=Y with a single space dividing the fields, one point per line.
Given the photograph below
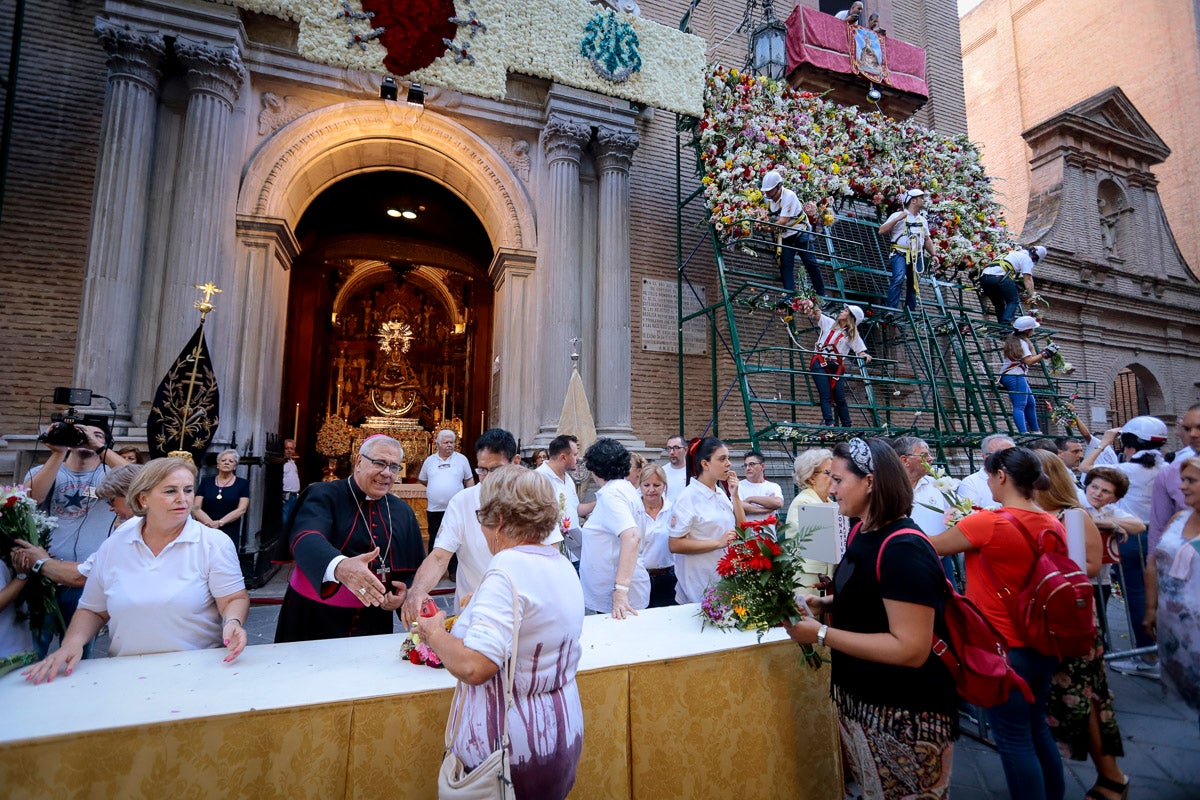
x=750 y=464
x=481 y=471
x=384 y=465
x=481 y=518
x=674 y=447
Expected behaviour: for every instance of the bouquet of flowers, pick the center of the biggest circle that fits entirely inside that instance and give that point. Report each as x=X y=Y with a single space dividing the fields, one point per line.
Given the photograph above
x=20 y=518
x=757 y=586
x=417 y=652
x=1063 y=412
x=956 y=507
x=1058 y=364
x=803 y=304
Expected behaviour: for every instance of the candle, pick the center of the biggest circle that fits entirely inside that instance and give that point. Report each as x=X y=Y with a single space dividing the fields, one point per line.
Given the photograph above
x=296 y=423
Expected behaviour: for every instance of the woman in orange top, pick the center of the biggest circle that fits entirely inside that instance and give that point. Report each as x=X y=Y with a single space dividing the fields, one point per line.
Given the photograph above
x=1032 y=764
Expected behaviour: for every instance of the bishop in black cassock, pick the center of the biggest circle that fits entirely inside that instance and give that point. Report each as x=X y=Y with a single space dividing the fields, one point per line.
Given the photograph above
x=335 y=589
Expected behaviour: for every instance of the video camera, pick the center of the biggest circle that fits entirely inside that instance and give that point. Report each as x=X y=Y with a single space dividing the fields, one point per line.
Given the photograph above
x=64 y=430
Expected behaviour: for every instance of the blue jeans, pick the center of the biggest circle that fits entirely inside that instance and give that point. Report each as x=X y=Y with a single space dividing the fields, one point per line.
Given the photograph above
x=902 y=275
x=1002 y=291
x=805 y=242
x=829 y=390
x=1023 y=402
x=1133 y=585
x=68 y=601
x=1032 y=764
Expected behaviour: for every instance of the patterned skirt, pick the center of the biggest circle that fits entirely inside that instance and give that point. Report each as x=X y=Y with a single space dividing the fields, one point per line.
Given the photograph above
x=894 y=753
x=1079 y=684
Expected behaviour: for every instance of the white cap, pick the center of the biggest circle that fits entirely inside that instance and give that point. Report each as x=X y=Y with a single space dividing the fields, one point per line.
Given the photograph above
x=771 y=180
x=1150 y=429
x=1026 y=323
x=911 y=193
x=857 y=313
x=1039 y=253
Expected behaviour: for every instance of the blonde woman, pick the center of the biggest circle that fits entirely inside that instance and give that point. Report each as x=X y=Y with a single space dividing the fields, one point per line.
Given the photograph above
x=222 y=500
x=813 y=470
x=656 y=535
x=836 y=338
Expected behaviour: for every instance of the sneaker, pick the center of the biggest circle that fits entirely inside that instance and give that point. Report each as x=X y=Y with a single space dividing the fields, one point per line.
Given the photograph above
x=1136 y=666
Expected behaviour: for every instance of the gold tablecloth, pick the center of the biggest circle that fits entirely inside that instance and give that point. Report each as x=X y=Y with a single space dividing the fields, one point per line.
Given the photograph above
x=747 y=723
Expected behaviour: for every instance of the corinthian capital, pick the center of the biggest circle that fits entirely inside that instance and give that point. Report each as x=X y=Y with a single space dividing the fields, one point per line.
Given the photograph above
x=132 y=54
x=213 y=70
x=564 y=138
x=614 y=148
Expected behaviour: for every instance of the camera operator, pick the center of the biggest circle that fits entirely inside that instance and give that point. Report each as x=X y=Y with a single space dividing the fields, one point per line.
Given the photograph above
x=69 y=479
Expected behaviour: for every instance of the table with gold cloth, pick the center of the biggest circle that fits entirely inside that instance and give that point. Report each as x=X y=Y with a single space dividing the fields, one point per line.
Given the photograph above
x=669 y=711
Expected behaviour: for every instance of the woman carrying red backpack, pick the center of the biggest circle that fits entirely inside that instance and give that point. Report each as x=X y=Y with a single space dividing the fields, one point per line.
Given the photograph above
x=996 y=548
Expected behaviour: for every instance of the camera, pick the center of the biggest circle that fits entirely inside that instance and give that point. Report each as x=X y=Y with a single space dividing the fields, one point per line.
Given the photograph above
x=64 y=430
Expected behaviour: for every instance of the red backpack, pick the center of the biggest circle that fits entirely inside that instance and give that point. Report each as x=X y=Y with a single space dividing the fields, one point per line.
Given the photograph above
x=1054 y=608
x=973 y=651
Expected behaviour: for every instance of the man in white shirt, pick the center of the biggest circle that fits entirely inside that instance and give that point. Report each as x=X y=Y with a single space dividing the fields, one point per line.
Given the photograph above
x=974 y=487
x=912 y=248
x=291 y=478
x=792 y=230
x=852 y=14
x=460 y=533
x=929 y=506
x=760 y=497
x=676 y=467
x=562 y=458
x=998 y=281
x=444 y=474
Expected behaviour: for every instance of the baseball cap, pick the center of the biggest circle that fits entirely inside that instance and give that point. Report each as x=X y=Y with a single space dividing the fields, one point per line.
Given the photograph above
x=771 y=180
x=1150 y=429
x=1039 y=253
x=1026 y=323
x=857 y=313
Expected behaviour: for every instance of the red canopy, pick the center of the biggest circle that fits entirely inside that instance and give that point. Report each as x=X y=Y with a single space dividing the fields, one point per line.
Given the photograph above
x=824 y=41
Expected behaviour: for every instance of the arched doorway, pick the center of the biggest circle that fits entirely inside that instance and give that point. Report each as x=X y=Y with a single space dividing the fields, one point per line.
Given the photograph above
x=389 y=315
x=1135 y=392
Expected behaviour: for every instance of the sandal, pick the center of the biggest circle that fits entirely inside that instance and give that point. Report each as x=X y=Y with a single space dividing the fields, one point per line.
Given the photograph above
x=1119 y=789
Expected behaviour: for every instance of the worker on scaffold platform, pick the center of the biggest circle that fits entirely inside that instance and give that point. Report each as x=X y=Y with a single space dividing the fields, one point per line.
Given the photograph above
x=911 y=247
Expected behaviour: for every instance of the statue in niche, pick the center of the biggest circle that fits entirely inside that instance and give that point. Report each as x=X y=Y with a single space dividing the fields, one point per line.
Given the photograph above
x=1111 y=204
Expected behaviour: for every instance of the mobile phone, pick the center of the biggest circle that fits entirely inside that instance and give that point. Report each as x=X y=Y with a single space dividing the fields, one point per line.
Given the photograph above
x=429 y=608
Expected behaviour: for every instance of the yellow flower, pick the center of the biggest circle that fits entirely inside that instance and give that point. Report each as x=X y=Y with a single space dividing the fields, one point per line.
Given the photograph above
x=740 y=611
x=805 y=158
x=836 y=168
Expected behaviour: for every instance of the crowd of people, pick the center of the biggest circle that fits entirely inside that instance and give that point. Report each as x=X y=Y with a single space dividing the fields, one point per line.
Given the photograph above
x=533 y=560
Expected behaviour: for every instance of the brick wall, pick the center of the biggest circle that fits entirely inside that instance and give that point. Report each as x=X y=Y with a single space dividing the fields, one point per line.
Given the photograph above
x=1023 y=62
x=47 y=200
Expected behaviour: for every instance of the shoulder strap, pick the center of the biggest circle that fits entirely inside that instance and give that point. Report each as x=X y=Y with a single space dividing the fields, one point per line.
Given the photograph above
x=853 y=532
x=893 y=535
x=1037 y=546
x=454 y=720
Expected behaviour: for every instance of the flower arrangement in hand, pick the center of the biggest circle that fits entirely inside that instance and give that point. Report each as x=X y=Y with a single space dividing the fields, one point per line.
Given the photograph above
x=757 y=587
x=21 y=519
x=1063 y=412
x=1058 y=364
x=417 y=652
x=957 y=507
x=827 y=152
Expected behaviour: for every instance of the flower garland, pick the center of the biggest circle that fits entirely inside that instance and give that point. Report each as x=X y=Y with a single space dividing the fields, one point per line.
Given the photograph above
x=827 y=152
x=493 y=38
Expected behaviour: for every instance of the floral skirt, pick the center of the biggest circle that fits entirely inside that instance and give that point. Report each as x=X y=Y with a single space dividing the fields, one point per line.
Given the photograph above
x=896 y=754
x=1078 y=684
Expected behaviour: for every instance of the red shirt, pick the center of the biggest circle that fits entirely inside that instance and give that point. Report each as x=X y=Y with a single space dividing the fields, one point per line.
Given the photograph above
x=1010 y=557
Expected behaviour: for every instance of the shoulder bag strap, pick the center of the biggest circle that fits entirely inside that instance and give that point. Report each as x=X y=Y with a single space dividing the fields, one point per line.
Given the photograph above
x=454 y=720
x=937 y=644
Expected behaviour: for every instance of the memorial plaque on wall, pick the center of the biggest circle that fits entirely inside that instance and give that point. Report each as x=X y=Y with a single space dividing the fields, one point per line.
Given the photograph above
x=660 y=318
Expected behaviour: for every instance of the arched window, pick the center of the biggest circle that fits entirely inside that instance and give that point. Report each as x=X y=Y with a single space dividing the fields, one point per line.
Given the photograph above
x=1128 y=399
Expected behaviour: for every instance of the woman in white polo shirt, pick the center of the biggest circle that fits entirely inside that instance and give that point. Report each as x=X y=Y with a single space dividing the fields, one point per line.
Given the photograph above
x=610 y=566
x=162 y=581
x=703 y=521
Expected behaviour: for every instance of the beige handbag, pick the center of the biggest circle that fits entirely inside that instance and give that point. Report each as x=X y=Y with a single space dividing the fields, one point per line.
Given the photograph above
x=492 y=779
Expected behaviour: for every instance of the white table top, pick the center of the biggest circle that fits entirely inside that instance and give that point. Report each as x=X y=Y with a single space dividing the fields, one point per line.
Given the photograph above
x=139 y=690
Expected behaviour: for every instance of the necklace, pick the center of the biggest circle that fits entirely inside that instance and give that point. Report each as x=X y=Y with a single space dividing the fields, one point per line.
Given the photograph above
x=384 y=560
x=217 y=483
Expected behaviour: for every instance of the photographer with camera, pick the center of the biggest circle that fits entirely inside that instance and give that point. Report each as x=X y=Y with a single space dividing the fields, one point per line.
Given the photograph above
x=66 y=484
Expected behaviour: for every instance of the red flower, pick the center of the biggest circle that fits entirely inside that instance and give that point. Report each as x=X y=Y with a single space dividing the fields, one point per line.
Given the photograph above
x=414 y=656
x=11 y=501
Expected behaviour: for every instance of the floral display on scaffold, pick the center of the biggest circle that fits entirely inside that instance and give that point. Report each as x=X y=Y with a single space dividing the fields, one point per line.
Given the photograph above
x=415 y=651
x=20 y=518
x=827 y=152
x=957 y=507
x=757 y=588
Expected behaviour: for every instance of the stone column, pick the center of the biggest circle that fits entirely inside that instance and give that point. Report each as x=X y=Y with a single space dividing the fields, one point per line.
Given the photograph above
x=513 y=366
x=559 y=204
x=202 y=221
x=614 y=154
x=109 y=314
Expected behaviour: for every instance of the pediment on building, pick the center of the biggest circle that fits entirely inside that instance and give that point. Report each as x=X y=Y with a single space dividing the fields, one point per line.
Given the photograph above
x=1105 y=123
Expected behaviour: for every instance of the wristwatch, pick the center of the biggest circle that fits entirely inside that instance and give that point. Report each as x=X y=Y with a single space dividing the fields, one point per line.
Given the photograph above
x=37 y=565
x=821 y=632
